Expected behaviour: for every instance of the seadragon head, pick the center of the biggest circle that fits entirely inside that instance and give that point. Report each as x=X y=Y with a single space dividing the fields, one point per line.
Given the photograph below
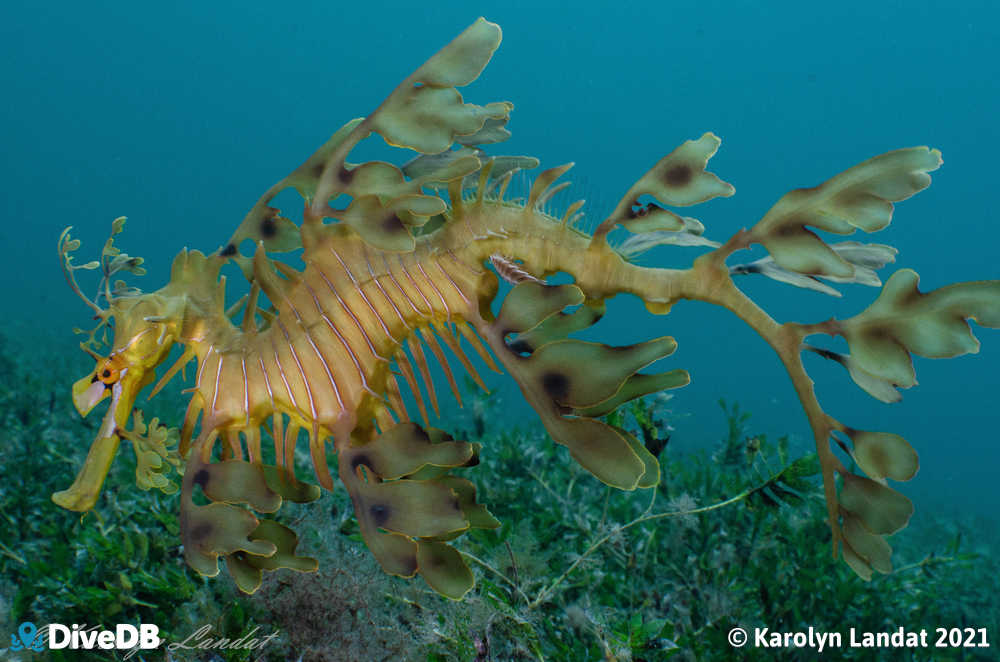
x=145 y=327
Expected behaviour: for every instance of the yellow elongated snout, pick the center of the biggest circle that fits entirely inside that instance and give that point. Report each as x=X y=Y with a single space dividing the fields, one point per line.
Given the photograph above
x=123 y=385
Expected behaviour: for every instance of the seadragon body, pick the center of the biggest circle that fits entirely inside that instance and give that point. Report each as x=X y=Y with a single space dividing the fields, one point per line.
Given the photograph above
x=404 y=270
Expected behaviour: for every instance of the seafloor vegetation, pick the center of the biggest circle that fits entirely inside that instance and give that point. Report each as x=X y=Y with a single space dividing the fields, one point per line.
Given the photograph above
x=578 y=571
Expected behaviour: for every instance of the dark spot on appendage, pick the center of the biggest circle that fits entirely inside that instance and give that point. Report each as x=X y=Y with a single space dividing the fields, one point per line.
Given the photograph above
x=345 y=176
x=790 y=227
x=879 y=333
x=201 y=531
x=228 y=251
x=106 y=373
x=392 y=224
x=555 y=384
x=679 y=175
x=380 y=513
x=201 y=477
x=240 y=556
x=268 y=228
x=360 y=460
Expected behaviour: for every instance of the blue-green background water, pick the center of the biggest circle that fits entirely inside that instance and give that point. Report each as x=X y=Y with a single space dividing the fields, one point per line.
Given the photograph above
x=179 y=115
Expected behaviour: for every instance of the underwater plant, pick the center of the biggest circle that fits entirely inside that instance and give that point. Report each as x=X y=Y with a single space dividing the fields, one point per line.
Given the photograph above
x=413 y=259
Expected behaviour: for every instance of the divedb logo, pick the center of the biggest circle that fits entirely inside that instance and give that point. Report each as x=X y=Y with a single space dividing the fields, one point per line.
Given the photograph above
x=56 y=636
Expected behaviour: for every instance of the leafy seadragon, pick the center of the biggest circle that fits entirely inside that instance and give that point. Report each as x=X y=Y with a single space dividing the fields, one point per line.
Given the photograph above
x=397 y=267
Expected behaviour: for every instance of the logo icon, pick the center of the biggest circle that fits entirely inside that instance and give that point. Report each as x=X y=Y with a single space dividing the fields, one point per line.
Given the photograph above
x=28 y=637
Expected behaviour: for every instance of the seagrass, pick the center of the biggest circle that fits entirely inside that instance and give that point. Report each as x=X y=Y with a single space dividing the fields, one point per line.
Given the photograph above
x=403 y=275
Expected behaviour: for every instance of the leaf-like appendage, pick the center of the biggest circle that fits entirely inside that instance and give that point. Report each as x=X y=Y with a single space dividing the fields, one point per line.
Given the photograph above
x=558 y=326
x=396 y=553
x=678 y=179
x=464 y=58
x=867 y=259
x=427 y=114
x=903 y=320
x=494 y=131
x=863 y=550
x=405 y=449
x=882 y=509
x=436 y=170
x=858 y=198
x=218 y=529
x=884 y=455
x=264 y=223
x=689 y=235
x=477 y=514
x=408 y=507
x=425 y=165
x=601 y=449
x=570 y=381
x=427 y=119
x=580 y=374
x=531 y=303
x=379 y=226
x=444 y=570
x=153 y=458
x=415 y=508
x=418 y=205
x=248 y=569
x=236 y=481
x=637 y=386
x=878 y=388
x=870 y=510
x=305 y=178
x=424 y=113
x=374 y=178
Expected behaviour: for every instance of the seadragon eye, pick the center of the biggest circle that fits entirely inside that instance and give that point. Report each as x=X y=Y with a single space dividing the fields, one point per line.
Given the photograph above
x=108 y=374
